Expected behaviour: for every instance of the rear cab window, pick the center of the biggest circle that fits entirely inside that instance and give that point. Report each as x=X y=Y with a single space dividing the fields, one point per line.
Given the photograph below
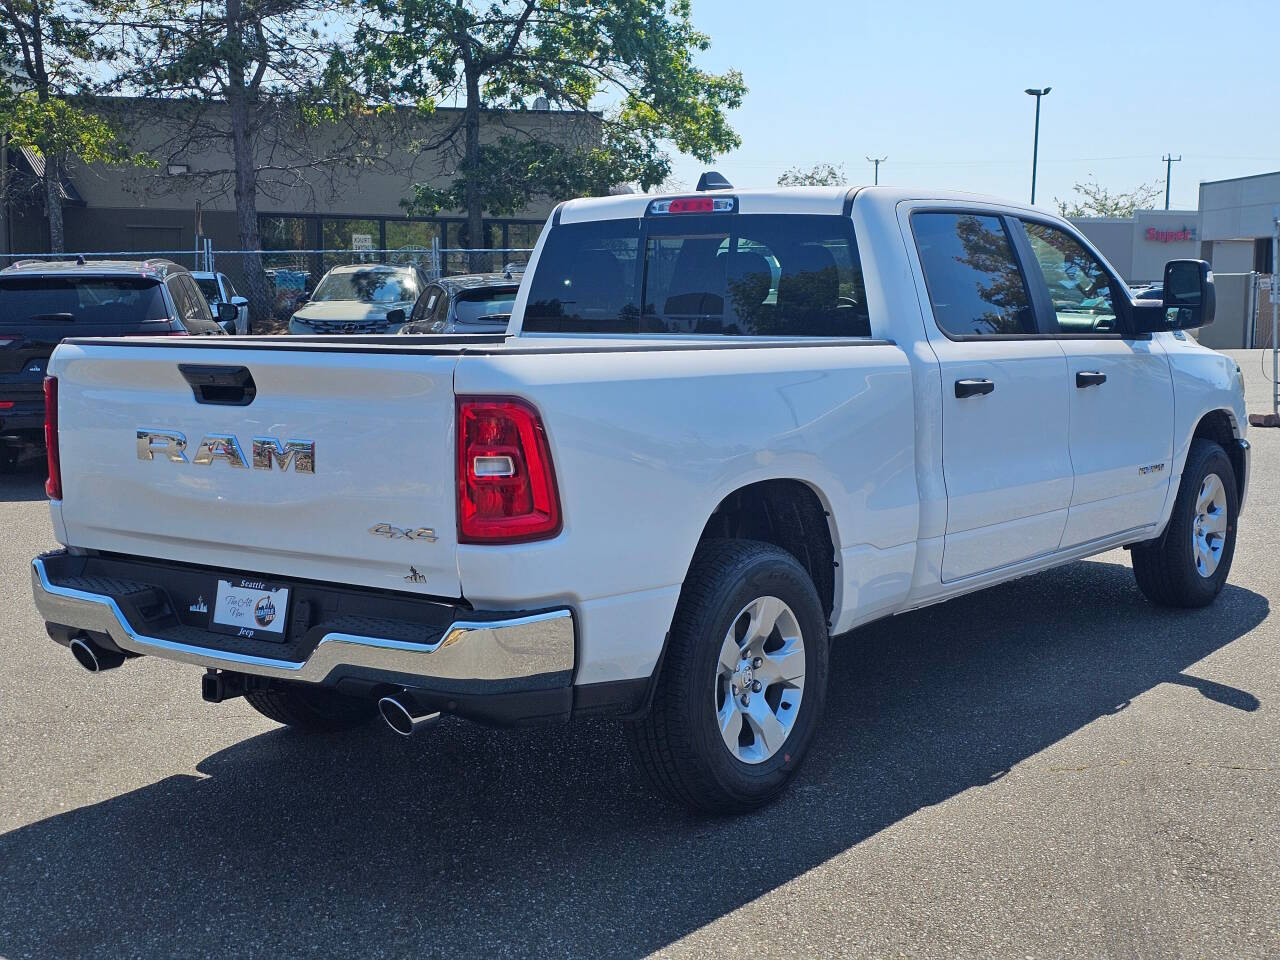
x=723 y=274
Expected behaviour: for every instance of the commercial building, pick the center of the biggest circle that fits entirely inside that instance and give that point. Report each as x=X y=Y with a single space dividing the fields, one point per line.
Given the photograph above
x=1139 y=246
x=319 y=188
x=1232 y=230
x=1236 y=222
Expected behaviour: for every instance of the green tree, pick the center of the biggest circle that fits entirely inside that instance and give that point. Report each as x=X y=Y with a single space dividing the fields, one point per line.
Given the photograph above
x=246 y=86
x=637 y=57
x=52 y=49
x=819 y=175
x=1094 y=200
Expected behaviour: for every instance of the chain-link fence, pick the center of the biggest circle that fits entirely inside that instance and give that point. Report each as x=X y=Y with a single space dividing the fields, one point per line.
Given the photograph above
x=292 y=275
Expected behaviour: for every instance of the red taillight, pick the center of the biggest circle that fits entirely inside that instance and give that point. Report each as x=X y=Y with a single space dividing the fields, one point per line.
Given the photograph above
x=52 y=486
x=506 y=483
x=6 y=404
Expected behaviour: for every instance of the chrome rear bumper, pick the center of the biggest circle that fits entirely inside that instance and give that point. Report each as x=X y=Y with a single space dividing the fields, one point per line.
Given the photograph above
x=539 y=645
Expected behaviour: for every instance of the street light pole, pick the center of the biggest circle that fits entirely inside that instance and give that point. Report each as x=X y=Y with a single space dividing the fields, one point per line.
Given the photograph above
x=1169 y=160
x=1035 y=144
x=877 y=161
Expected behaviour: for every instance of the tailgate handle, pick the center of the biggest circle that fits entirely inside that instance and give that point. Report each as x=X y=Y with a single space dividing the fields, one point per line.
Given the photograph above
x=227 y=386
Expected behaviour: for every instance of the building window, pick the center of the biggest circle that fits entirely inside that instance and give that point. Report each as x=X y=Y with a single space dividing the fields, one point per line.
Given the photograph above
x=284 y=233
x=1262 y=254
x=412 y=234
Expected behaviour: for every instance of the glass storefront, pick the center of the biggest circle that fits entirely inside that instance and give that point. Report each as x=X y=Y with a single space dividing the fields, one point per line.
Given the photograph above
x=344 y=239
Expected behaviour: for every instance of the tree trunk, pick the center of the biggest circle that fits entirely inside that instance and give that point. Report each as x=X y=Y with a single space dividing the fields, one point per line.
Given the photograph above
x=479 y=262
x=53 y=203
x=261 y=310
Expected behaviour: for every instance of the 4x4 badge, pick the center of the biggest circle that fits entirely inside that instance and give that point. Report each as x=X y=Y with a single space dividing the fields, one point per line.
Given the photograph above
x=401 y=533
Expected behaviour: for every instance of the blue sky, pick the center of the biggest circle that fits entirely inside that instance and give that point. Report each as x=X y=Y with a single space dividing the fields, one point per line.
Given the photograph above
x=938 y=88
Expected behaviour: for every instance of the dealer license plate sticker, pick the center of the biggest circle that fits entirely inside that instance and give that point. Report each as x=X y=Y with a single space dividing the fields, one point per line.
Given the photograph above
x=250 y=608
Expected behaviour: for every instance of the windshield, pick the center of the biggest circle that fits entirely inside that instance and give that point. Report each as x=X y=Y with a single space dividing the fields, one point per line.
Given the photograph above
x=725 y=274
x=82 y=299
x=496 y=304
x=209 y=287
x=368 y=286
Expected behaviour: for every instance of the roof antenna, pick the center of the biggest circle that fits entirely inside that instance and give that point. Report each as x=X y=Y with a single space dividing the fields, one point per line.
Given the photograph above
x=713 y=181
x=80 y=259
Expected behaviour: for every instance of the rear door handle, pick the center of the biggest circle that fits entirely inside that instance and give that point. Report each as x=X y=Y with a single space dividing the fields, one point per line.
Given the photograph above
x=973 y=388
x=1090 y=378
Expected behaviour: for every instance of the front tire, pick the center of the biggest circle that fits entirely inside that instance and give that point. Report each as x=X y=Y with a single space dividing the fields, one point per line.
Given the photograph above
x=311 y=709
x=743 y=682
x=1189 y=563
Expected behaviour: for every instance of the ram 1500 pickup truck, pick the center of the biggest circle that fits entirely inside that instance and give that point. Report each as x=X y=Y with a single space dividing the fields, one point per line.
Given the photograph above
x=722 y=428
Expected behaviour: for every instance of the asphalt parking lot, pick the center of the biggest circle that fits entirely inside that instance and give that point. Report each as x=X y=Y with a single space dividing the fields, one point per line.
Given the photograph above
x=1048 y=768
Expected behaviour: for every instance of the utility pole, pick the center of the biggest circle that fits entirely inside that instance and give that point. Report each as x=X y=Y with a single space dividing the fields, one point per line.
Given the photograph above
x=1035 y=144
x=877 y=161
x=1169 y=160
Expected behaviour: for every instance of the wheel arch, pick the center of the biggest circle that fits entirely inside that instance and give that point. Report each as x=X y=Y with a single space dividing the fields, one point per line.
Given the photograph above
x=1220 y=426
x=791 y=514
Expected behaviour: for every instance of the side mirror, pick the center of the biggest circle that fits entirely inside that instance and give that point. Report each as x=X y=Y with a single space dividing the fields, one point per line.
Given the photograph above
x=1189 y=299
x=228 y=313
x=395 y=316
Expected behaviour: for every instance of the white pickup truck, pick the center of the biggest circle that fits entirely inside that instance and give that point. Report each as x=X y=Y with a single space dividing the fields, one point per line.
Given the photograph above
x=722 y=428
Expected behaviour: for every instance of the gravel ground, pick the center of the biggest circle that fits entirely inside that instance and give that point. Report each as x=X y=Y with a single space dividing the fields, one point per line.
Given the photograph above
x=1047 y=768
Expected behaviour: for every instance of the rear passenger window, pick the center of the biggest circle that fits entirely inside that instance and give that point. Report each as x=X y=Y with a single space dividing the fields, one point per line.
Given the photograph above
x=974 y=282
x=718 y=274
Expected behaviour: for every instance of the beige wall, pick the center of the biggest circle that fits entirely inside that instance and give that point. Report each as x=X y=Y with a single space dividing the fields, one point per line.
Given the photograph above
x=1243 y=207
x=1154 y=244
x=1139 y=246
x=1232 y=256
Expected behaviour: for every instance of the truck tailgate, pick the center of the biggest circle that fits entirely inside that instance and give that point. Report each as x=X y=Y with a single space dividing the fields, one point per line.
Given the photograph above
x=382 y=428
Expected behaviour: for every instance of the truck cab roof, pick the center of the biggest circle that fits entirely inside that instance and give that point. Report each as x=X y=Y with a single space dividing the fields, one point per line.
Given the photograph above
x=772 y=200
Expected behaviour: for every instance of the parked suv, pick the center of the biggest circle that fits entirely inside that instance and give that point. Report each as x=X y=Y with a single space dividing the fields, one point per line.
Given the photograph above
x=42 y=302
x=360 y=298
x=473 y=303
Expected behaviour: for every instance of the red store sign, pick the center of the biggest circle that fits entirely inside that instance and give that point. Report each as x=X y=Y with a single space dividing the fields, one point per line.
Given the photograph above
x=1171 y=236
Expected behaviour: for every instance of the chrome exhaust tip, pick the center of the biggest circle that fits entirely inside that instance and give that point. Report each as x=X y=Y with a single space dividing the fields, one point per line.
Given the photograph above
x=404 y=716
x=92 y=657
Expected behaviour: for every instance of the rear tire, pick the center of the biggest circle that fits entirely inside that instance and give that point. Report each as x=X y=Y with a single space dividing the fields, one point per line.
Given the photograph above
x=743 y=682
x=314 y=710
x=1189 y=563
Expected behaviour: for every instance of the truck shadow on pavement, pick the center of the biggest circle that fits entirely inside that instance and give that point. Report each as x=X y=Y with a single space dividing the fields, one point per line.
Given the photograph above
x=469 y=841
x=25 y=482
